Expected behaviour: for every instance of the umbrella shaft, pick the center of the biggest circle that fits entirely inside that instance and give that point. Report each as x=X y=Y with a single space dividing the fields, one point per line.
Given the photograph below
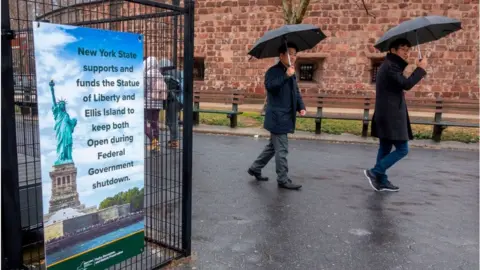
x=418 y=46
x=288 y=53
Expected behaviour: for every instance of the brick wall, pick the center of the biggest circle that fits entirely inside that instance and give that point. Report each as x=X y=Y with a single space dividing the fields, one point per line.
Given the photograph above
x=226 y=30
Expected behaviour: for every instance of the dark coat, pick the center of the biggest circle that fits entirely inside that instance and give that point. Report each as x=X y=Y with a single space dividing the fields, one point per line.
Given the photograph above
x=283 y=100
x=390 y=119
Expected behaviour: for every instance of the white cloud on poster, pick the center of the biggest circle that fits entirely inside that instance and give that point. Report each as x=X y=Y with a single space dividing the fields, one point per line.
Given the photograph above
x=49 y=43
x=48 y=144
x=47 y=189
x=50 y=37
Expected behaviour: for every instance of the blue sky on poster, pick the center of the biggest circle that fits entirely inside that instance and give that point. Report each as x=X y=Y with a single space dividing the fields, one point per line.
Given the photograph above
x=56 y=54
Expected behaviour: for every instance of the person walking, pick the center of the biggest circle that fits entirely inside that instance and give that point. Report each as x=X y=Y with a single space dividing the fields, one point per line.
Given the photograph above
x=155 y=95
x=174 y=81
x=391 y=123
x=283 y=102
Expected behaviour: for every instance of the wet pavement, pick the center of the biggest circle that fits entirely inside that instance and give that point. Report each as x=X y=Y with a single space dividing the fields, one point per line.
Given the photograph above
x=336 y=221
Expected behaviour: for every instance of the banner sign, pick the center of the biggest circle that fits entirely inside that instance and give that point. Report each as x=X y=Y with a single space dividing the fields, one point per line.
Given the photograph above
x=90 y=107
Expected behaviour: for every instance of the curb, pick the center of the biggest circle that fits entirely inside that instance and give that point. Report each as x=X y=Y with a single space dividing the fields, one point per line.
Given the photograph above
x=344 y=138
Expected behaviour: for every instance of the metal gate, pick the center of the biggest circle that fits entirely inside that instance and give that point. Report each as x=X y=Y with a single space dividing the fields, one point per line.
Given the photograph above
x=168 y=31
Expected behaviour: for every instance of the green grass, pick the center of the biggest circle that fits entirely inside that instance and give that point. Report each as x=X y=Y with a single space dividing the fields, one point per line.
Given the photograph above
x=337 y=127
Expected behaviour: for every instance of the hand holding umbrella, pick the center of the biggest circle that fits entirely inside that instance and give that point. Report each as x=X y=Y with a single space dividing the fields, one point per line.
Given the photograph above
x=290 y=70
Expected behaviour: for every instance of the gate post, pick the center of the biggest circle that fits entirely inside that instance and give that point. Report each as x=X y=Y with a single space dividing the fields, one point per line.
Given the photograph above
x=11 y=223
x=175 y=42
x=187 y=128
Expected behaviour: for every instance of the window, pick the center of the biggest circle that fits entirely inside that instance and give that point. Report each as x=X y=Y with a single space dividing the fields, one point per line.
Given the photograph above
x=375 y=66
x=306 y=72
x=309 y=69
x=198 y=69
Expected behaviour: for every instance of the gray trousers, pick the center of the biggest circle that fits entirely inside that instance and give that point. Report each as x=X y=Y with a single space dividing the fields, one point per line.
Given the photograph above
x=278 y=147
x=173 y=109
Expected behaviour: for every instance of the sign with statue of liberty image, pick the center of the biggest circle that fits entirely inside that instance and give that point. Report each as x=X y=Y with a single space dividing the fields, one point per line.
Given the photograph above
x=90 y=104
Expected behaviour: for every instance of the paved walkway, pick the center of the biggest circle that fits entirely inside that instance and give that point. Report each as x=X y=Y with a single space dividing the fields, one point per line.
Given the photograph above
x=344 y=138
x=336 y=221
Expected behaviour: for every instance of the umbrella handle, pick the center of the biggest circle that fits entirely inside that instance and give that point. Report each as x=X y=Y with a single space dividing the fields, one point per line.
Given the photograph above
x=418 y=46
x=288 y=54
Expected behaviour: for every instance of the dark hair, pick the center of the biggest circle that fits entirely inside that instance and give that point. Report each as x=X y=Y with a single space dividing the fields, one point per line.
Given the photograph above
x=399 y=43
x=284 y=48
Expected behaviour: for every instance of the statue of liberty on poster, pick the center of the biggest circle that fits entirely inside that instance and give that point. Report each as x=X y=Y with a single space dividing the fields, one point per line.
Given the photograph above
x=64 y=127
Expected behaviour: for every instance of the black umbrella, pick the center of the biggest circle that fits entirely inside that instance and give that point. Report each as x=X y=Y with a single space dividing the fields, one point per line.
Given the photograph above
x=420 y=30
x=304 y=36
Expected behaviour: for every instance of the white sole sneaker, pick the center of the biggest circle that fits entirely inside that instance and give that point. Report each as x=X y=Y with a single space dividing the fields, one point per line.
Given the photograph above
x=389 y=190
x=381 y=189
x=369 y=180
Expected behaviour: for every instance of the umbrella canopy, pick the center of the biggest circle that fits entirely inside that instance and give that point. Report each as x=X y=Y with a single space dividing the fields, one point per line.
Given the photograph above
x=420 y=30
x=304 y=36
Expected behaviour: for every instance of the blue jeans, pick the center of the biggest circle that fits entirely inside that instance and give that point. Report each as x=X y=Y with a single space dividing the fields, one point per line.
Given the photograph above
x=386 y=158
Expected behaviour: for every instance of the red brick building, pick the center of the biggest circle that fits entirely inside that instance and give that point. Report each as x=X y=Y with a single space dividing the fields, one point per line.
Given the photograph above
x=345 y=62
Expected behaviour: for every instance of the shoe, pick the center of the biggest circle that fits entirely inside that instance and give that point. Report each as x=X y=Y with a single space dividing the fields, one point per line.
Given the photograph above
x=289 y=185
x=257 y=176
x=154 y=145
x=372 y=179
x=173 y=144
x=387 y=186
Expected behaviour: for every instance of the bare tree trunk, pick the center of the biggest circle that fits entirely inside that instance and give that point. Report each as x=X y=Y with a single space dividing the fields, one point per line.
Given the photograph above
x=301 y=11
x=292 y=15
x=296 y=16
x=287 y=10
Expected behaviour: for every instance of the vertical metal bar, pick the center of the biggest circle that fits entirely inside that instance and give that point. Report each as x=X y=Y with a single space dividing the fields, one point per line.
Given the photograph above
x=11 y=223
x=178 y=156
x=175 y=35
x=366 y=113
x=187 y=127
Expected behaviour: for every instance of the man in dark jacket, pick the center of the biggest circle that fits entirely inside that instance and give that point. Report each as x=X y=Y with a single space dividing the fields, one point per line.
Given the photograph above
x=283 y=103
x=391 y=123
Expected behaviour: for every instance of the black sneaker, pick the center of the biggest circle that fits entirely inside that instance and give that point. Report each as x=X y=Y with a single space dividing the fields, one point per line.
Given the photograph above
x=289 y=185
x=387 y=186
x=257 y=176
x=372 y=179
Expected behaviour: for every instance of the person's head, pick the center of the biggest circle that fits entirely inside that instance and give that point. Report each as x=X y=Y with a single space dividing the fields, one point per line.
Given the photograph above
x=285 y=50
x=400 y=47
x=165 y=65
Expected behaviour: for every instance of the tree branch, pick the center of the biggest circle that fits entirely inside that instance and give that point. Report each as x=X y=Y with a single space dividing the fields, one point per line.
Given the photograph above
x=301 y=11
x=292 y=16
x=366 y=9
x=287 y=10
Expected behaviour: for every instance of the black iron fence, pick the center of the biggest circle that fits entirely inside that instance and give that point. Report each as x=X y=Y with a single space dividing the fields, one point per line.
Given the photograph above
x=168 y=34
